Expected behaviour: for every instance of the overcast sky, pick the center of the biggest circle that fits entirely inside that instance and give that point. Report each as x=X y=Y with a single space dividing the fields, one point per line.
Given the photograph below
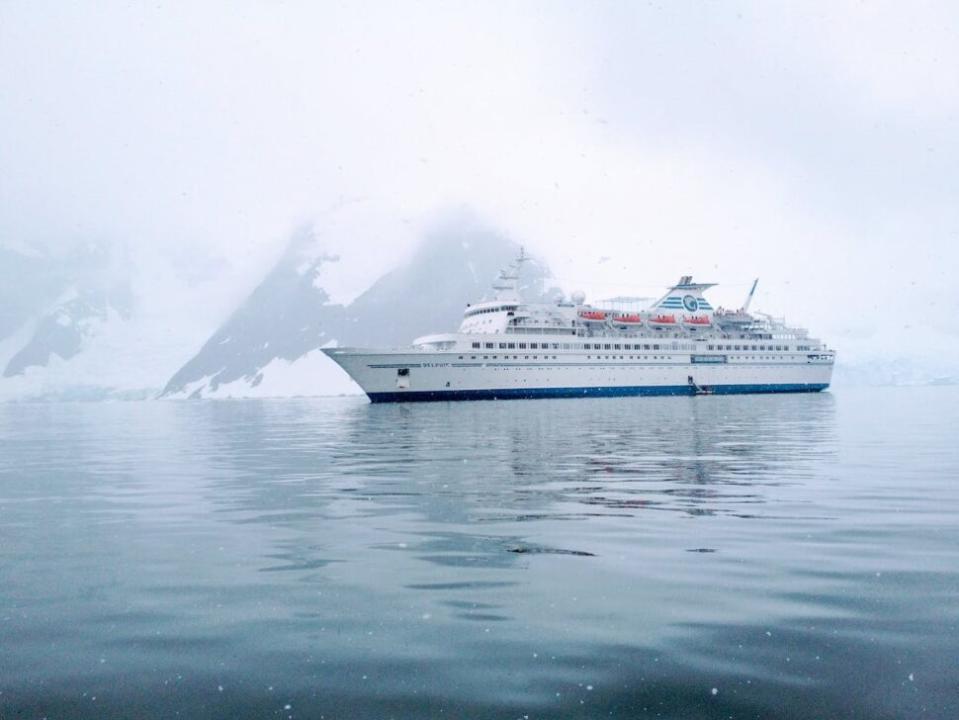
x=815 y=145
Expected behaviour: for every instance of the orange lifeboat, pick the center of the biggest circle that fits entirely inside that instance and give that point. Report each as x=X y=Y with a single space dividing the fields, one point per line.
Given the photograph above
x=696 y=320
x=628 y=319
x=662 y=320
x=595 y=315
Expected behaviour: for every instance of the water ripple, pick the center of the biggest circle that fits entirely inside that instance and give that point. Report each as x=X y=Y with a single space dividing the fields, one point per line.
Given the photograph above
x=790 y=556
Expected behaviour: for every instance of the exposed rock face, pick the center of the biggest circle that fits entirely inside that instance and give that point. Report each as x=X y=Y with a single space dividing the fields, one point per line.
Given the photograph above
x=64 y=331
x=55 y=307
x=285 y=317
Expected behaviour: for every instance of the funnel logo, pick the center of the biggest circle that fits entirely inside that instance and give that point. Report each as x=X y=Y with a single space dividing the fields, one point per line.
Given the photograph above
x=689 y=302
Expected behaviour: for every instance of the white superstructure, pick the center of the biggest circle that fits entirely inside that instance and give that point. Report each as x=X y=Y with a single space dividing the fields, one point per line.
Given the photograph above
x=679 y=345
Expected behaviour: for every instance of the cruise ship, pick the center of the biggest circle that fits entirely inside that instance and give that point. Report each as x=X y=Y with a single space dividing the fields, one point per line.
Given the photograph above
x=678 y=345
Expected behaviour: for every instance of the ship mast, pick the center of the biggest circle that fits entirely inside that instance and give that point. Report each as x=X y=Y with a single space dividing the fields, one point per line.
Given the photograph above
x=749 y=298
x=506 y=284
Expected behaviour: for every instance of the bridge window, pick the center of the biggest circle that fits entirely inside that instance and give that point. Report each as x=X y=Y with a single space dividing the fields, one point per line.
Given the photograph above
x=489 y=346
x=476 y=345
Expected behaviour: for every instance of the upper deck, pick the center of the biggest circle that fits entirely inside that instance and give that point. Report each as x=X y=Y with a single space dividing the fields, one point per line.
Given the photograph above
x=683 y=313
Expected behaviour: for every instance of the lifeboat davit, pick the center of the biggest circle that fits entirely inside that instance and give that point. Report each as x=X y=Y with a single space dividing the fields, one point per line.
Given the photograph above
x=662 y=320
x=594 y=315
x=628 y=319
x=696 y=320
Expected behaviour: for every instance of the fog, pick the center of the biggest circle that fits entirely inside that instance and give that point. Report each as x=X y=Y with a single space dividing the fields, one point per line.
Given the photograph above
x=813 y=146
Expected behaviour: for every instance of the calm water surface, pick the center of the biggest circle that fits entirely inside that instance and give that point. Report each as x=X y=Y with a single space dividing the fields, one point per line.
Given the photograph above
x=713 y=557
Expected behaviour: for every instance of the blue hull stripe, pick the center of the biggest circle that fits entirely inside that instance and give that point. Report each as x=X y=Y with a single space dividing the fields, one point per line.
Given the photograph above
x=517 y=393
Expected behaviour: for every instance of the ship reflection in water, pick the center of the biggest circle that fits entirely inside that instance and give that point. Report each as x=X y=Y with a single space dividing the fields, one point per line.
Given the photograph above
x=771 y=556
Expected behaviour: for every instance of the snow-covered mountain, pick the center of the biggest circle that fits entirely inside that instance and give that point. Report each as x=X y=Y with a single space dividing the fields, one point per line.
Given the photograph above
x=63 y=331
x=904 y=355
x=271 y=345
x=54 y=309
x=93 y=325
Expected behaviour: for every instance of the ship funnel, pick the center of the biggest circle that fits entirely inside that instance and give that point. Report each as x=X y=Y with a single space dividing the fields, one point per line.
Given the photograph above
x=685 y=296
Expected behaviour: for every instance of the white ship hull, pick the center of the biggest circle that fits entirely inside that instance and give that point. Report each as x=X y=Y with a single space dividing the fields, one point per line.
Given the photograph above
x=507 y=348
x=423 y=375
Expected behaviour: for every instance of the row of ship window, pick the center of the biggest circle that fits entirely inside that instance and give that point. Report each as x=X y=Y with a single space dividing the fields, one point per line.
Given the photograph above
x=620 y=346
x=564 y=346
x=484 y=311
x=755 y=347
x=556 y=357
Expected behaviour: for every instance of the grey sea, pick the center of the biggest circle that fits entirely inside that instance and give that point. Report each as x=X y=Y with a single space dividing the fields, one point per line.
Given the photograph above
x=792 y=556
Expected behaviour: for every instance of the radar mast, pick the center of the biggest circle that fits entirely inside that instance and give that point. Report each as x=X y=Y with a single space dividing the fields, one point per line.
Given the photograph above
x=506 y=284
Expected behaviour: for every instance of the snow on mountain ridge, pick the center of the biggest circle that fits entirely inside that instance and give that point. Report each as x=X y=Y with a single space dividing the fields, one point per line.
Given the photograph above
x=285 y=319
x=94 y=325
